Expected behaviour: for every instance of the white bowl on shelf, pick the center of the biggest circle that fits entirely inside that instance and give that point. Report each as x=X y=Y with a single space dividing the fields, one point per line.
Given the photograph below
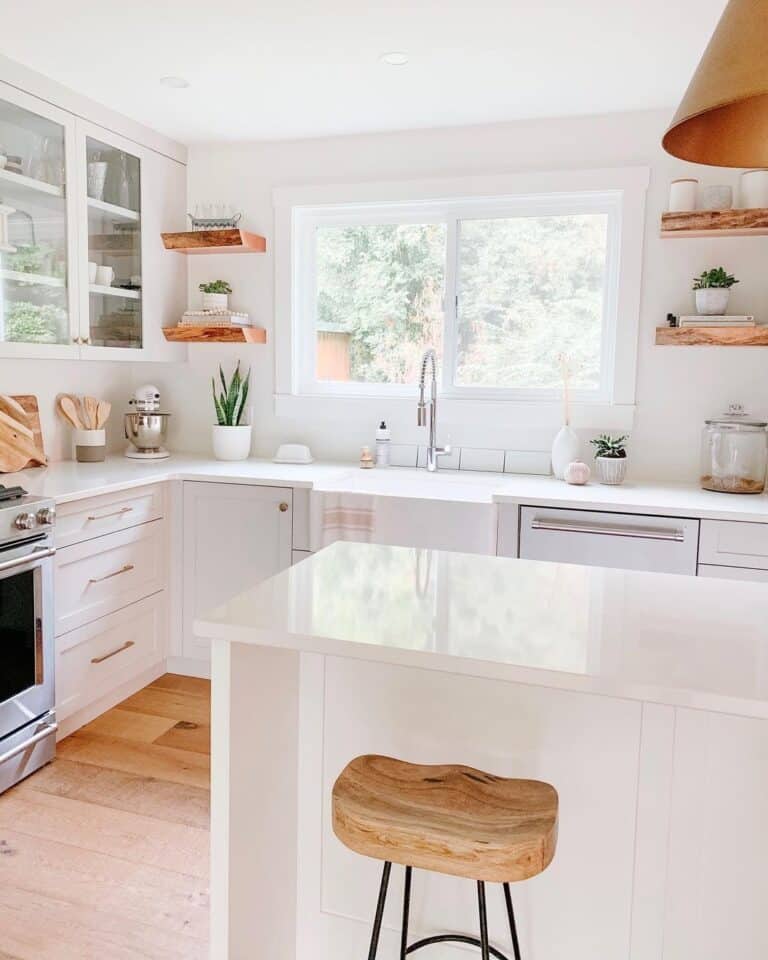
x=293 y=453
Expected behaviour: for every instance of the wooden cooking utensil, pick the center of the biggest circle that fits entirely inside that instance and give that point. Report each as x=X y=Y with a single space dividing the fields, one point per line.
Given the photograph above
x=103 y=411
x=69 y=411
x=90 y=408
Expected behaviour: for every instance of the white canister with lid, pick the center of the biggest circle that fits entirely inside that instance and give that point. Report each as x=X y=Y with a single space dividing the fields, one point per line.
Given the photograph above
x=753 y=189
x=734 y=453
x=682 y=195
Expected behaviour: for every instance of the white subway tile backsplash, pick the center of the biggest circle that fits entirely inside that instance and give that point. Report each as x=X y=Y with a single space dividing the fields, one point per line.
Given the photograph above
x=403 y=454
x=528 y=461
x=489 y=461
x=448 y=461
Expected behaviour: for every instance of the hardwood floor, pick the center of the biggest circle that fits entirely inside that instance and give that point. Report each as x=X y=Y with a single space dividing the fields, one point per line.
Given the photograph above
x=104 y=852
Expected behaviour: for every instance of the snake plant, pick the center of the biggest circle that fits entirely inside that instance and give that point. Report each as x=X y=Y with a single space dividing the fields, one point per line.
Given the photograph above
x=230 y=402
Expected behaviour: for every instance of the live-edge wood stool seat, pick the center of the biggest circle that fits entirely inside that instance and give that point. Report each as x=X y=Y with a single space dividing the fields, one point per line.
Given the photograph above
x=448 y=819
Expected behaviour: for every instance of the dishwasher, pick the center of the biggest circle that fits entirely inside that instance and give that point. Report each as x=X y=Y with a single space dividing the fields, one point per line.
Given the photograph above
x=626 y=541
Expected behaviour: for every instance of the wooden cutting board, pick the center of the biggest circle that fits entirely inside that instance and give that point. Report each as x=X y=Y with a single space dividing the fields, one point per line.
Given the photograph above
x=21 y=438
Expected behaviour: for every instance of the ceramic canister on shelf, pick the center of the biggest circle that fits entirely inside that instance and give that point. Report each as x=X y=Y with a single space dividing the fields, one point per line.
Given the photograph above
x=90 y=445
x=682 y=195
x=717 y=197
x=753 y=189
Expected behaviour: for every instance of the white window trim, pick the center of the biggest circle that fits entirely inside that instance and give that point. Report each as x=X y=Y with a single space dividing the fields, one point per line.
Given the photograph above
x=623 y=190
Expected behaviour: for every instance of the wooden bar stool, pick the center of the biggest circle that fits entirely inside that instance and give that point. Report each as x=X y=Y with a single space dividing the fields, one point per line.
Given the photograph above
x=449 y=819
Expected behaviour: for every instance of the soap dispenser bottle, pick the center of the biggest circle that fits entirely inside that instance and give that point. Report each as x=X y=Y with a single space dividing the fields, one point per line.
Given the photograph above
x=383 y=438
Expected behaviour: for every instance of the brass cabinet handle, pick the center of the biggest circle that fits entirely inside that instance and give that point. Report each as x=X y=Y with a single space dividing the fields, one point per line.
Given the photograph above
x=117 y=513
x=126 y=646
x=283 y=507
x=125 y=569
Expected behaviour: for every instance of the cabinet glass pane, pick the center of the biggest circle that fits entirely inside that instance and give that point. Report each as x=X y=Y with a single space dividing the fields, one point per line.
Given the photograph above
x=114 y=246
x=34 y=304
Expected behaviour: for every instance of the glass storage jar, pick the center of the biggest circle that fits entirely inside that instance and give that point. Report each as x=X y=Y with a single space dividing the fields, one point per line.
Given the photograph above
x=734 y=453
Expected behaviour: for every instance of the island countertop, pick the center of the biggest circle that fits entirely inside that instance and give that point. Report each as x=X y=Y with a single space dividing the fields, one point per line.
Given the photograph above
x=657 y=638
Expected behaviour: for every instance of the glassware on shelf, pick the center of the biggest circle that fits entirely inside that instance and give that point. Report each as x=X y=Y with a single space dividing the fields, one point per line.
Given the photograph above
x=734 y=453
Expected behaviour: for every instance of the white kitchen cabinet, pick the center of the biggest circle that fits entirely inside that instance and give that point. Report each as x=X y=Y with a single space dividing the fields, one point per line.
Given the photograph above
x=729 y=543
x=234 y=536
x=621 y=540
x=733 y=573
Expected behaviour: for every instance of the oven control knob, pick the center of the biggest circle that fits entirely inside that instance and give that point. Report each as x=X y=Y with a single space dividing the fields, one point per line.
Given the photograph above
x=25 y=521
x=46 y=516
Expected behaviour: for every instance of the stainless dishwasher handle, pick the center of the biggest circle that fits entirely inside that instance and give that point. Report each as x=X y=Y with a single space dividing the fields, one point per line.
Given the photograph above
x=635 y=533
x=46 y=731
x=39 y=553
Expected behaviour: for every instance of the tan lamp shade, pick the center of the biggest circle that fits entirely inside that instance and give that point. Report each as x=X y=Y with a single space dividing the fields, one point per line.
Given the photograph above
x=723 y=118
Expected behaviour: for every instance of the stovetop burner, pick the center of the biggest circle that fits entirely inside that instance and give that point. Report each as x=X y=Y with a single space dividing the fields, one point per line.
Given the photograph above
x=11 y=493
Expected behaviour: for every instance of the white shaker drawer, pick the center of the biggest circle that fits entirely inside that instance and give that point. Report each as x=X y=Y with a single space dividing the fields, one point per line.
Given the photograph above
x=85 y=519
x=99 y=576
x=733 y=573
x=92 y=661
x=732 y=543
x=597 y=539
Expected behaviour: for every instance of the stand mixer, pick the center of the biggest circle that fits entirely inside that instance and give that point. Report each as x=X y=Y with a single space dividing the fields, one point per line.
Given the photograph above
x=146 y=427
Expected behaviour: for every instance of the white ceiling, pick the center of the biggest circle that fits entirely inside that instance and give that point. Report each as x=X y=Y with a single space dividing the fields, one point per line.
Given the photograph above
x=274 y=69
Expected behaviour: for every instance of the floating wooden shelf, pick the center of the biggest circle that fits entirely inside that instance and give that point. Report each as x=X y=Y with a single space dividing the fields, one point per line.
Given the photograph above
x=719 y=223
x=215 y=241
x=184 y=334
x=712 y=336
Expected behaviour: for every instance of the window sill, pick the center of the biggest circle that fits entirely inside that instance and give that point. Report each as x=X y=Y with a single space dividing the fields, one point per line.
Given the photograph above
x=457 y=411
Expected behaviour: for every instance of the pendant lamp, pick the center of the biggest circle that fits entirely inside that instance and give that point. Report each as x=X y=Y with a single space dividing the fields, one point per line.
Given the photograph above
x=723 y=118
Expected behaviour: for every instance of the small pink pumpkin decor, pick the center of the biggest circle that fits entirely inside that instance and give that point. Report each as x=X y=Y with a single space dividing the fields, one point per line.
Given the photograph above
x=577 y=473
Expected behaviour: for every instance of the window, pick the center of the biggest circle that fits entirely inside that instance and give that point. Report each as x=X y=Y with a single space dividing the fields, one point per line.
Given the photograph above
x=502 y=286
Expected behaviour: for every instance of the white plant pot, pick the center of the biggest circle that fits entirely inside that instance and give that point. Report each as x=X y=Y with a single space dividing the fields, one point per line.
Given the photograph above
x=712 y=301
x=231 y=443
x=565 y=449
x=612 y=470
x=215 y=301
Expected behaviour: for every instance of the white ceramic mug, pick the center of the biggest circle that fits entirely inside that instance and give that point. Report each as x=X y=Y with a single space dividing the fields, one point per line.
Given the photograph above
x=105 y=276
x=92 y=268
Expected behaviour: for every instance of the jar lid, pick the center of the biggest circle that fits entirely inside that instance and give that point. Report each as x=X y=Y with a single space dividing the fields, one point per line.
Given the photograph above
x=736 y=417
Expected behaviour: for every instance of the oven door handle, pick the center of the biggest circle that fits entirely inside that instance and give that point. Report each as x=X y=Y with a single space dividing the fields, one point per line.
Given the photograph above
x=45 y=731
x=39 y=553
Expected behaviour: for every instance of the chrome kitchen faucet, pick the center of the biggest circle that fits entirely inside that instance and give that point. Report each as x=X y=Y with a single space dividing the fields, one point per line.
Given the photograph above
x=433 y=451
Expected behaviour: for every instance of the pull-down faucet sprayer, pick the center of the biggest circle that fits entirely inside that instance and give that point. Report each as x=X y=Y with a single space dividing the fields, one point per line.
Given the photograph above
x=433 y=451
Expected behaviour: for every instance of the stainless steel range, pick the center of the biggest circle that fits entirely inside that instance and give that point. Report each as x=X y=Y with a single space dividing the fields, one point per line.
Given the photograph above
x=27 y=717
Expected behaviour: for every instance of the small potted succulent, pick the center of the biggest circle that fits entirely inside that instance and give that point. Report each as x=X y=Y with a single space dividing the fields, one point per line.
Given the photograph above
x=713 y=290
x=215 y=295
x=611 y=458
x=231 y=437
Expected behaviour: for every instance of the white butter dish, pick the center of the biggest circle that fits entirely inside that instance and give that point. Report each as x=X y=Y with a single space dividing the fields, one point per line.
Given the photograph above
x=292 y=453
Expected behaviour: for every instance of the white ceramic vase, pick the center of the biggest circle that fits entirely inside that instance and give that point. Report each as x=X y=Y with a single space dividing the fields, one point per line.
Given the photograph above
x=215 y=301
x=232 y=443
x=611 y=470
x=712 y=301
x=565 y=449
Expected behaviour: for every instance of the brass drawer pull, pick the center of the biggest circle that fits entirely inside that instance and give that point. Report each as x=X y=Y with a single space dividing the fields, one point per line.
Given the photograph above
x=125 y=569
x=283 y=507
x=126 y=646
x=117 y=513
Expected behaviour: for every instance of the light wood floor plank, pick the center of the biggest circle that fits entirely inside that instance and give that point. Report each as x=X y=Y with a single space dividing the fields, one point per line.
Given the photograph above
x=165 y=763
x=128 y=725
x=87 y=826
x=195 y=737
x=104 y=852
x=117 y=790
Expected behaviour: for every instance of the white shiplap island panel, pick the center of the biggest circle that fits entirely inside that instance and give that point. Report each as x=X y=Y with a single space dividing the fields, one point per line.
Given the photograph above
x=627 y=691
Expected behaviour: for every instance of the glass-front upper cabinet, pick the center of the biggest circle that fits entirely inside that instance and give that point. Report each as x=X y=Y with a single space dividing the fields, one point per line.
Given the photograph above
x=114 y=279
x=36 y=232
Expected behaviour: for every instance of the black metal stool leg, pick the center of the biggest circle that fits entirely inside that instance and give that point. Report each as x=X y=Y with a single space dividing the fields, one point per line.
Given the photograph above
x=406 y=912
x=379 y=911
x=512 y=924
x=484 y=952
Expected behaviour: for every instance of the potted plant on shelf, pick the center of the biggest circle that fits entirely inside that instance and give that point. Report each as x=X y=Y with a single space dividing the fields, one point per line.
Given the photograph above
x=215 y=295
x=231 y=437
x=713 y=289
x=611 y=458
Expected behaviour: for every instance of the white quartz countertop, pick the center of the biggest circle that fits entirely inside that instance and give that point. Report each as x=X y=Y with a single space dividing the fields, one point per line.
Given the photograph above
x=659 y=638
x=67 y=481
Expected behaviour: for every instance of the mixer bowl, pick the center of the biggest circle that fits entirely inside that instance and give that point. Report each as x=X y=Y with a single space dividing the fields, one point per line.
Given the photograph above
x=146 y=431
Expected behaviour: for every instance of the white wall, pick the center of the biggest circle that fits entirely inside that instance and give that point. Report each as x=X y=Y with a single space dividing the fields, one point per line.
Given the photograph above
x=677 y=387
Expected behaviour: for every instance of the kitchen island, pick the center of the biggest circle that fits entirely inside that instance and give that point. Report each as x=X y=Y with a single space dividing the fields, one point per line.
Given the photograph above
x=643 y=698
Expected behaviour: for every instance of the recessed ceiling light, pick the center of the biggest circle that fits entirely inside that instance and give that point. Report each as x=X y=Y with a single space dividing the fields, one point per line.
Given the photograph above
x=395 y=58
x=175 y=83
